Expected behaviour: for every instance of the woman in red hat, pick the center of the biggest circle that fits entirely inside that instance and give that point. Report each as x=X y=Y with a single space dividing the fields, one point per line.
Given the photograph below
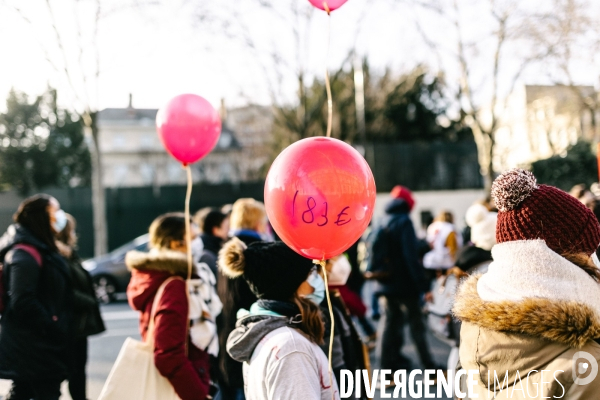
x=534 y=317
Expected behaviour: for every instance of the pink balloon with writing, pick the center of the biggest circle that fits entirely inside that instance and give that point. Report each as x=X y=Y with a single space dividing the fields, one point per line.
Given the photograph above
x=319 y=196
x=331 y=4
x=189 y=127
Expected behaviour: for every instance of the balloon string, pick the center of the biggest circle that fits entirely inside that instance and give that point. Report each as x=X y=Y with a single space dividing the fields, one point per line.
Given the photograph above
x=331 y=332
x=188 y=227
x=327 y=82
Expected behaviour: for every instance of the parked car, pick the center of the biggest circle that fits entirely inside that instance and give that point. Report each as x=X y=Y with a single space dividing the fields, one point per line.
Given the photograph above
x=109 y=272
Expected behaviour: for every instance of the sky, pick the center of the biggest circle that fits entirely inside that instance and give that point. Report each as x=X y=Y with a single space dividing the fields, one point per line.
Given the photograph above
x=158 y=49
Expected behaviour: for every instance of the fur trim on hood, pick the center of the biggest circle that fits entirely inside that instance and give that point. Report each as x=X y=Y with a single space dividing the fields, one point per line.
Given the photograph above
x=529 y=289
x=173 y=262
x=567 y=322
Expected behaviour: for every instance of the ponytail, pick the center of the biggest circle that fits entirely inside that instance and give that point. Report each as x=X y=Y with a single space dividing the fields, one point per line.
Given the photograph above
x=312 y=321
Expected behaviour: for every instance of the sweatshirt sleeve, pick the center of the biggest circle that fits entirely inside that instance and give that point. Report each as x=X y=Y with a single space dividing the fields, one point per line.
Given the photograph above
x=295 y=377
x=170 y=340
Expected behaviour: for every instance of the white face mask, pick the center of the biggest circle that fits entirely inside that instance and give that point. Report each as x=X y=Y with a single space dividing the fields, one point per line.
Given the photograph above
x=197 y=248
x=340 y=271
x=60 y=221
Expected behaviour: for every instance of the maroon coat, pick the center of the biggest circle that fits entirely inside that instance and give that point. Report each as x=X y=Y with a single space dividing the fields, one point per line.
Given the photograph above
x=188 y=375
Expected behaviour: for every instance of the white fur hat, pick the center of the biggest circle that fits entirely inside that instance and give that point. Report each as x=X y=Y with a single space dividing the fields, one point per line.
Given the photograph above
x=483 y=233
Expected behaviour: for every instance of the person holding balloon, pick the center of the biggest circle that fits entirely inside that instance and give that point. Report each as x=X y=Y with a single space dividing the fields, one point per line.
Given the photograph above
x=277 y=338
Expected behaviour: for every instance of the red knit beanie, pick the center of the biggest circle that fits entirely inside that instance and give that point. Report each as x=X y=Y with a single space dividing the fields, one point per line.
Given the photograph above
x=401 y=192
x=531 y=211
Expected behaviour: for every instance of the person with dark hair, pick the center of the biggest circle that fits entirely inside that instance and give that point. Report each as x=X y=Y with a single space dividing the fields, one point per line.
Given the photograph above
x=278 y=338
x=215 y=231
x=248 y=221
x=537 y=309
x=187 y=370
x=34 y=329
x=87 y=320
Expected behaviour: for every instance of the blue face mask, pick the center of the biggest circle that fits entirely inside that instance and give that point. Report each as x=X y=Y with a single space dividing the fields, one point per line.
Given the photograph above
x=317 y=283
x=60 y=221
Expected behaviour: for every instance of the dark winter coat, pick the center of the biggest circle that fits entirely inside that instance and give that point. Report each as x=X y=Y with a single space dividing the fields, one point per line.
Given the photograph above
x=189 y=374
x=212 y=245
x=407 y=275
x=348 y=349
x=234 y=294
x=34 y=329
x=87 y=320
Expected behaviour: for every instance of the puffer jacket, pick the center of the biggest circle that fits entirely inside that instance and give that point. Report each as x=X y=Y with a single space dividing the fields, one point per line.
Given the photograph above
x=407 y=274
x=530 y=326
x=189 y=374
x=34 y=329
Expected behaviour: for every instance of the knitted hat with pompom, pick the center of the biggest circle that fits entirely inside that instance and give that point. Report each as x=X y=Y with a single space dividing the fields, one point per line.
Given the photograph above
x=531 y=211
x=272 y=270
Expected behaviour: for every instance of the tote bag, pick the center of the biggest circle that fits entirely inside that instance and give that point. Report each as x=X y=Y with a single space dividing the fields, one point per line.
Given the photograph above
x=134 y=376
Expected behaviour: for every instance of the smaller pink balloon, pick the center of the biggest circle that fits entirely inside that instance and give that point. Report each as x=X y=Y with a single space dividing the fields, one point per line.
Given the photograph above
x=327 y=4
x=189 y=127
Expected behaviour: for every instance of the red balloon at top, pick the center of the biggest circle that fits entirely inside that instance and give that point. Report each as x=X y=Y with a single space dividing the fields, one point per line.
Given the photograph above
x=189 y=127
x=319 y=196
x=331 y=4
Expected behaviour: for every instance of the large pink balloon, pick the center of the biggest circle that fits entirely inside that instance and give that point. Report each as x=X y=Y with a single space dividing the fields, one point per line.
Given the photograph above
x=189 y=127
x=331 y=4
x=319 y=196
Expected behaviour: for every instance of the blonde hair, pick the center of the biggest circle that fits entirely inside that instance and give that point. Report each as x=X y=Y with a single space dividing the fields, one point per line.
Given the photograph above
x=247 y=213
x=445 y=216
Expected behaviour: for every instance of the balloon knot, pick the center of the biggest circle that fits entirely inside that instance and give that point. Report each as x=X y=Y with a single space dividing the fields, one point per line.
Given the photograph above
x=326 y=7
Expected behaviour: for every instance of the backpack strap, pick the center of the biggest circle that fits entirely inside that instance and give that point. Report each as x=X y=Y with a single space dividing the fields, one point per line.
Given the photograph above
x=33 y=252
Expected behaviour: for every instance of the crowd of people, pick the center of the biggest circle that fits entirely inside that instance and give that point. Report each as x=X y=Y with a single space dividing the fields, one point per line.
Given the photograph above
x=517 y=285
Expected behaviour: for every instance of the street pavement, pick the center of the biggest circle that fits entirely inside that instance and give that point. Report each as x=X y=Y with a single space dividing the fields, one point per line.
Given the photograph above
x=122 y=322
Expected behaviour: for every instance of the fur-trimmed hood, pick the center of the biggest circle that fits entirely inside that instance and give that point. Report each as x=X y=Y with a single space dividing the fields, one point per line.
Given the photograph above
x=173 y=262
x=527 y=321
x=531 y=290
x=149 y=271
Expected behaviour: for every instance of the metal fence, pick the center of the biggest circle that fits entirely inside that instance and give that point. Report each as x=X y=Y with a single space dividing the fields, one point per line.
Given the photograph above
x=425 y=166
x=130 y=211
x=438 y=166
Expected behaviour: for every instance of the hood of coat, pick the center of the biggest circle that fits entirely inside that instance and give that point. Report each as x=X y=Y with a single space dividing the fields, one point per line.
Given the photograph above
x=472 y=256
x=397 y=206
x=18 y=234
x=249 y=332
x=531 y=290
x=149 y=271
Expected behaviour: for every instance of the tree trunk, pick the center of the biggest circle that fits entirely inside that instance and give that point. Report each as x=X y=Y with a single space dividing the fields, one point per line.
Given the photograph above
x=488 y=178
x=98 y=195
x=485 y=151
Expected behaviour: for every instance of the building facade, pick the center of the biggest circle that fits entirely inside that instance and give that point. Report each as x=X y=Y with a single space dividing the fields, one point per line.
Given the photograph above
x=542 y=121
x=133 y=155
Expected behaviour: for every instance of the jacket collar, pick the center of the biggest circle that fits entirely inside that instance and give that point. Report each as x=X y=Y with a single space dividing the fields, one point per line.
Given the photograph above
x=173 y=262
x=517 y=298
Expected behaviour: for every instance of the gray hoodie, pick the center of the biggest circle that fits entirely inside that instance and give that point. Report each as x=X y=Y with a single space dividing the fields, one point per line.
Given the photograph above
x=280 y=362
